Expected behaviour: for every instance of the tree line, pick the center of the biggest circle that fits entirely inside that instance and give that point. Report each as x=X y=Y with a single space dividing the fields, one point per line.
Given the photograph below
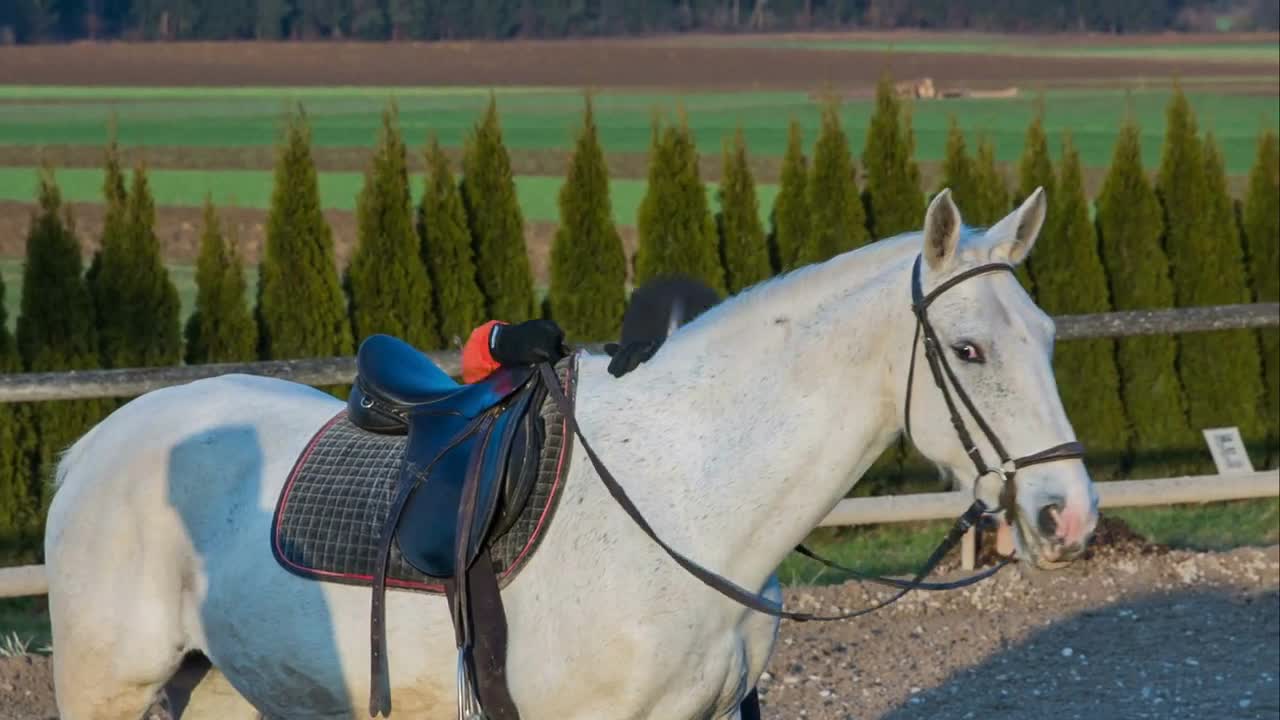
x=430 y=269
x=29 y=21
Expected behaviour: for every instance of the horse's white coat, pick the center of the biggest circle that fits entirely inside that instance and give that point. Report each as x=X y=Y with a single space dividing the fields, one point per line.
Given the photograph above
x=734 y=440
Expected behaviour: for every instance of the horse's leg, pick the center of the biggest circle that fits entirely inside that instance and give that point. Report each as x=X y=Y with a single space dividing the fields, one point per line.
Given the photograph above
x=750 y=708
x=198 y=691
x=99 y=673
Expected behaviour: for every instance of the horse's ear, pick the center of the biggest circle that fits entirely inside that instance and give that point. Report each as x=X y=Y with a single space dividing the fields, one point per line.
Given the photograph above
x=941 y=231
x=1016 y=234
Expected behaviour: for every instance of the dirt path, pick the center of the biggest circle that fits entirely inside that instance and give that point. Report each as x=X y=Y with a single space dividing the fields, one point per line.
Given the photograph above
x=1136 y=632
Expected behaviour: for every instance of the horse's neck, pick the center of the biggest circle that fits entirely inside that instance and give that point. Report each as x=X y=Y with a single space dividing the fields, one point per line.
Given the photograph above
x=750 y=424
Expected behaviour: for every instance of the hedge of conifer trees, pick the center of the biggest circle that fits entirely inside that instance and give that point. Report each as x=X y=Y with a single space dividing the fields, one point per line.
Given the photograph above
x=432 y=269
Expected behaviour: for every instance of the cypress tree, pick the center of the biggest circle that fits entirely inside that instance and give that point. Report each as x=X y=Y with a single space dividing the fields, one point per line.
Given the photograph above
x=387 y=284
x=1221 y=371
x=136 y=302
x=837 y=218
x=300 y=306
x=588 y=264
x=497 y=227
x=56 y=332
x=790 y=213
x=992 y=191
x=1070 y=280
x=153 y=327
x=677 y=232
x=742 y=243
x=1129 y=230
x=895 y=203
x=958 y=171
x=444 y=244
x=113 y=252
x=447 y=252
x=221 y=328
x=115 y=221
x=1261 y=224
x=19 y=498
x=1035 y=170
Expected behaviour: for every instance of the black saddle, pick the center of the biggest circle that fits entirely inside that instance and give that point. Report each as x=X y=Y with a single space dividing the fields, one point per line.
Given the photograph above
x=454 y=494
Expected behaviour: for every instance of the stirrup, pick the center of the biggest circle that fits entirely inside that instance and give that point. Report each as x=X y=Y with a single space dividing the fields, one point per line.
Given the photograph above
x=468 y=703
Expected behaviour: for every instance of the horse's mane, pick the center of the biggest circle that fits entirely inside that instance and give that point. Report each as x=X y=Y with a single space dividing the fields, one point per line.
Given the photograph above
x=810 y=284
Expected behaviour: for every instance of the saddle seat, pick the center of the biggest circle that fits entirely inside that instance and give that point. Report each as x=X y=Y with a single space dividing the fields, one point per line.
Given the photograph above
x=394 y=380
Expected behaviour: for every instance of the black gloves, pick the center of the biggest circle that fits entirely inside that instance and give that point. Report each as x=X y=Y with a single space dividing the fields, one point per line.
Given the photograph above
x=528 y=343
x=535 y=341
x=627 y=357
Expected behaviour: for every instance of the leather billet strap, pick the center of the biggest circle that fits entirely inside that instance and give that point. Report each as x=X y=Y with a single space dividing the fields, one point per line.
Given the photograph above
x=725 y=586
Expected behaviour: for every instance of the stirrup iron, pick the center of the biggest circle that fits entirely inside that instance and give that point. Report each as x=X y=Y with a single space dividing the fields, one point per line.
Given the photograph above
x=468 y=702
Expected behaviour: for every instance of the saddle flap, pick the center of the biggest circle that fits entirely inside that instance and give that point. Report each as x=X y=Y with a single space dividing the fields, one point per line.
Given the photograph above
x=429 y=535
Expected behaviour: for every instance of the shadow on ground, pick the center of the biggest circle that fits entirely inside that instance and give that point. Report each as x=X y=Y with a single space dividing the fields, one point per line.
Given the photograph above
x=1176 y=655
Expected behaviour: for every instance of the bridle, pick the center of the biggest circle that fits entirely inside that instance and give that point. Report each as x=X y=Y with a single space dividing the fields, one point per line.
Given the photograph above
x=941 y=373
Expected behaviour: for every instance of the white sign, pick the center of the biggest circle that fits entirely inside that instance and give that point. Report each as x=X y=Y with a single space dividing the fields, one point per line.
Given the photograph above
x=1228 y=450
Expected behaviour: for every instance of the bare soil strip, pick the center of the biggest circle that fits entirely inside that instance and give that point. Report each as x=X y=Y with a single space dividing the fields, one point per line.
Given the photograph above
x=179 y=231
x=598 y=63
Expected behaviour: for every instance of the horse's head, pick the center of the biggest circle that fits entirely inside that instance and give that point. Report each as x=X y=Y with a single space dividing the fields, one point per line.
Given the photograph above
x=997 y=414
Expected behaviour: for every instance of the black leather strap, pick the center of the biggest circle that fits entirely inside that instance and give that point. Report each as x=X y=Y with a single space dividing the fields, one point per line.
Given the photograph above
x=410 y=477
x=719 y=583
x=944 y=377
x=899 y=583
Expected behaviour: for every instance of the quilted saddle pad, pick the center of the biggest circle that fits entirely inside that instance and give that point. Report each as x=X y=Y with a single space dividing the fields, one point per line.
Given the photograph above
x=330 y=515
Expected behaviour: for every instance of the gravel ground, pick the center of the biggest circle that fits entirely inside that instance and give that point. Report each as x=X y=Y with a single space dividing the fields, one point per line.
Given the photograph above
x=1134 y=632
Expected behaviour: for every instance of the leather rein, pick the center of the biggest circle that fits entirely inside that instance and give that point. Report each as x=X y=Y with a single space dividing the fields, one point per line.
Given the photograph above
x=941 y=372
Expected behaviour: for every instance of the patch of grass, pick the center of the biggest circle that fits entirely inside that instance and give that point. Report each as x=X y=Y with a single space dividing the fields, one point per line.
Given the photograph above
x=24 y=624
x=538 y=195
x=545 y=119
x=898 y=548
x=1212 y=526
x=901 y=549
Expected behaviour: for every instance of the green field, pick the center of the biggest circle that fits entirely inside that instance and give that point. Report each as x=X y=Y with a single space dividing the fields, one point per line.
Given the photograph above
x=902 y=548
x=536 y=119
x=338 y=190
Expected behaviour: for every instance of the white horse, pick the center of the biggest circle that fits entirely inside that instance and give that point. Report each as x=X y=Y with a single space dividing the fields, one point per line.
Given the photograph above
x=735 y=440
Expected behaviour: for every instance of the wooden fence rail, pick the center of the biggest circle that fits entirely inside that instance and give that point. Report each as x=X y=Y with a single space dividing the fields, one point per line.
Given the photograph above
x=35 y=387
x=129 y=382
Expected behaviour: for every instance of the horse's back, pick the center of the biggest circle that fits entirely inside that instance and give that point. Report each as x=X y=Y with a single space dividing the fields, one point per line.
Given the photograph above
x=211 y=425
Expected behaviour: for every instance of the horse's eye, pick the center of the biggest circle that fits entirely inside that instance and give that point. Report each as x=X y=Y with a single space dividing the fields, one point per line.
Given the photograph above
x=968 y=352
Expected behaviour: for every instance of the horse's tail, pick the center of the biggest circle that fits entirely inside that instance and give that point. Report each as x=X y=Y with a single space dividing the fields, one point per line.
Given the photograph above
x=69 y=457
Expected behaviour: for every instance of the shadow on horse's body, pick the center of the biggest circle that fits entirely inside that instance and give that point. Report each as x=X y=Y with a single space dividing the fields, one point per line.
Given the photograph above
x=734 y=441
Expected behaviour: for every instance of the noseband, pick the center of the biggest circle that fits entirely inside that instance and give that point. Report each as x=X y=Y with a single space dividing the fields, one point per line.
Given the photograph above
x=941 y=370
x=942 y=373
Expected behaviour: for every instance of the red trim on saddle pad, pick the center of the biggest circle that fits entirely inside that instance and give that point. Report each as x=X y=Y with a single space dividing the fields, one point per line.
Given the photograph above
x=366 y=579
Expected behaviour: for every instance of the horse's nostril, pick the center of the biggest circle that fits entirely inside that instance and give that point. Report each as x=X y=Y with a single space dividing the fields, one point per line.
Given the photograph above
x=1048 y=519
